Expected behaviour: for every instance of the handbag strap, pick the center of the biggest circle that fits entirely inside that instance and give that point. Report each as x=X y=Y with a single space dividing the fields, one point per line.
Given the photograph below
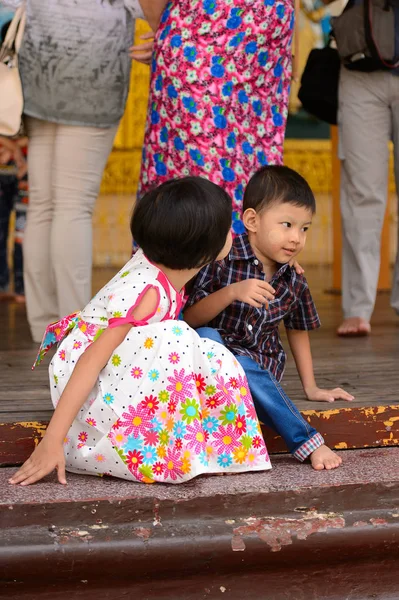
x=295 y=54
x=20 y=33
x=371 y=43
x=16 y=30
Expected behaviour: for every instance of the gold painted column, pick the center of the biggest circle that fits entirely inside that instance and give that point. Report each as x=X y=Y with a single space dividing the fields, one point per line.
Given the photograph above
x=123 y=167
x=384 y=282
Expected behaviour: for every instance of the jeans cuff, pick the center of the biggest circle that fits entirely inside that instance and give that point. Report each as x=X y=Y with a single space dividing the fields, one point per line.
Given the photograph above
x=308 y=447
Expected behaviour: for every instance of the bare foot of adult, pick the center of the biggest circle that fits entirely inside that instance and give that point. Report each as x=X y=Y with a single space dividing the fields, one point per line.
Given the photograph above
x=354 y=327
x=325 y=458
x=6 y=296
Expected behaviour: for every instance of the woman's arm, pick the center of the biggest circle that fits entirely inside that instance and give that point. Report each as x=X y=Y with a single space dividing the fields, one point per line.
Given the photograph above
x=153 y=10
x=11 y=3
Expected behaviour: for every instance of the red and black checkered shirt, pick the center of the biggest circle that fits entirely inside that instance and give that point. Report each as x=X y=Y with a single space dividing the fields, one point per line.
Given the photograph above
x=251 y=331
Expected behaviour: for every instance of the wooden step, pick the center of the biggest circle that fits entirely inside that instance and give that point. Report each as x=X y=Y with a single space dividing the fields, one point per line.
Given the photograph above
x=343 y=427
x=289 y=533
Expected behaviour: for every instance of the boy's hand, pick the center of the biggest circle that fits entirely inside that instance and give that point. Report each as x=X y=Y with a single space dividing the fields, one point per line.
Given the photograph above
x=45 y=458
x=253 y=291
x=143 y=52
x=318 y=395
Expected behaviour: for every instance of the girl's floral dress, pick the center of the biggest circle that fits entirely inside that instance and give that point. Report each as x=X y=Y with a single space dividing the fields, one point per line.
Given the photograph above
x=168 y=406
x=219 y=92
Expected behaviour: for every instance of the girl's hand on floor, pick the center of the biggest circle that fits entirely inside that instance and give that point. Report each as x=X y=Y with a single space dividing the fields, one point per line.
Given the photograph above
x=45 y=458
x=318 y=395
x=143 y=52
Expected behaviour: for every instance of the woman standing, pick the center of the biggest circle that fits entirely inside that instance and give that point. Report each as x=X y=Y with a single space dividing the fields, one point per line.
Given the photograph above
x=219 y=92
x=75 y=70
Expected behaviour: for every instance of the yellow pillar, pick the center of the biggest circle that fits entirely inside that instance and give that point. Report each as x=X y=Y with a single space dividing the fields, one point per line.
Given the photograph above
x=384 y=282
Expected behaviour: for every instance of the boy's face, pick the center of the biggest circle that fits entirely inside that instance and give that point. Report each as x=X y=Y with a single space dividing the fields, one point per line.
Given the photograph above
x=278 y=233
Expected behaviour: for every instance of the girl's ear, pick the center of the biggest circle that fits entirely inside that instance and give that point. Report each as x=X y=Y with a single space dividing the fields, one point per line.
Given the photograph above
x=250 y=220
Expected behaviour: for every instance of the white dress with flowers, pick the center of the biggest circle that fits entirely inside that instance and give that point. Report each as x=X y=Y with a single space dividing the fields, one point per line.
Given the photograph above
x=168 y=406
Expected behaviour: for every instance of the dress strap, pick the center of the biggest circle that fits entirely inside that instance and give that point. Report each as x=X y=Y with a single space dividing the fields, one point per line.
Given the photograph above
x=129 y=319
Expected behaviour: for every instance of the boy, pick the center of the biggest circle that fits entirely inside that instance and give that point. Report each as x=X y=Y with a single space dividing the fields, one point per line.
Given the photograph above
x=232 y=297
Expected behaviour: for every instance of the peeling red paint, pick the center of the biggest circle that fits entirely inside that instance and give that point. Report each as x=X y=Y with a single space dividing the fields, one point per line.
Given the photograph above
x=237 y=544
x=142 y=532
x=279 y=532
x=360 y=524
x=157 y=516
x=377 y=522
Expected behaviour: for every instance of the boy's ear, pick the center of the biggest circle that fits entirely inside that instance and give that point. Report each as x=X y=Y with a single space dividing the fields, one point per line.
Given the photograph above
x=249 y=218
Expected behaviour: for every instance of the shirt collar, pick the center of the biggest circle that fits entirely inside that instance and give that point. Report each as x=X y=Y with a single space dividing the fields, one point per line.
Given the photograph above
x=284 y=271
x=242 y=250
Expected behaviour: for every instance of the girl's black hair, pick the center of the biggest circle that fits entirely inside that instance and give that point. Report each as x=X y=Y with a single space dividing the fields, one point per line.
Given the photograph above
x=276 y=184
x=183 y=223
x=3 y=31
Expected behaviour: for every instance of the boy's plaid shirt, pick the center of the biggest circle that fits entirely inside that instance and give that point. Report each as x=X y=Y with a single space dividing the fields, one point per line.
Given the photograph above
x=251 y=331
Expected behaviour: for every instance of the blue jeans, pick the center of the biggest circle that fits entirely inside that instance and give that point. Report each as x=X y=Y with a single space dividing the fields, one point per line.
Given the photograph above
x=8 y=202
x=273 y=406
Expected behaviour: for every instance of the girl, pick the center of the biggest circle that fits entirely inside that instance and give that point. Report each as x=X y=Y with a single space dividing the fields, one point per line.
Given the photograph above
x=147 y=398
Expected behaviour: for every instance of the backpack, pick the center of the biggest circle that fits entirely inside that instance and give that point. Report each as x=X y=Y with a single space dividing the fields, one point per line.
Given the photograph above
x=365 y=35
x=319 y=84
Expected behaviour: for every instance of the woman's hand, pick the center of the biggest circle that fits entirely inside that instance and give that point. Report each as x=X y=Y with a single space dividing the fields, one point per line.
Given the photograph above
x=142 y=53
x=6 y=154
x=48 y=455
x=298 y=269
x=11 y=150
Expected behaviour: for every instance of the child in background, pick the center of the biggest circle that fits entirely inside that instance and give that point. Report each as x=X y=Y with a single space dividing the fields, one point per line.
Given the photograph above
x=241 y=301
x=138 y=394
x=13 y=196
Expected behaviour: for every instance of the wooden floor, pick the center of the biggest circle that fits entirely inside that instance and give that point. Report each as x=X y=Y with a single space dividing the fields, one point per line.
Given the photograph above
x=366 y=367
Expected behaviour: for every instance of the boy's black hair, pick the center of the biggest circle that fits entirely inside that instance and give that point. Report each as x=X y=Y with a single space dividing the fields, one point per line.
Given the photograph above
x=274 y=184
x=183 y=223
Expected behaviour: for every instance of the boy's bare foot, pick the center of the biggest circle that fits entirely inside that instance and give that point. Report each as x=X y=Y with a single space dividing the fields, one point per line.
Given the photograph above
x=354 y=327
x=19 y=299
x=325 y=458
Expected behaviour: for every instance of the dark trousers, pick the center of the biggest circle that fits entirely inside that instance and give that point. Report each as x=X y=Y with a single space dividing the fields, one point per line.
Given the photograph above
x=9 y=201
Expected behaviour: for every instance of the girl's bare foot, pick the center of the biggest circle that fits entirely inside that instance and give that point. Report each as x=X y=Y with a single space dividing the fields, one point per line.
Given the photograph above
x=325 y=458
x=354 y=327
